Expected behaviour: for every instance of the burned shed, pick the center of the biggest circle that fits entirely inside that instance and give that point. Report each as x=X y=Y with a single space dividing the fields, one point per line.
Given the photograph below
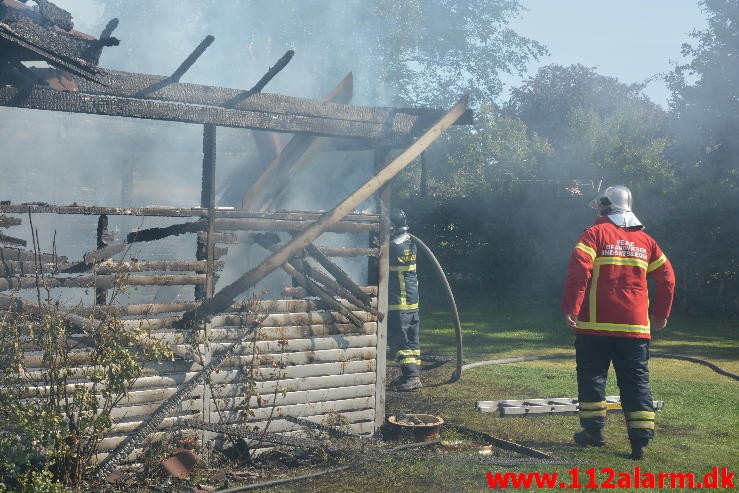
x=319 y=344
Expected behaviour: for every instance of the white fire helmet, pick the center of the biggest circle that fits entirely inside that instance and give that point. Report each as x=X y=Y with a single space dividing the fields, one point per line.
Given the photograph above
x=615 y=202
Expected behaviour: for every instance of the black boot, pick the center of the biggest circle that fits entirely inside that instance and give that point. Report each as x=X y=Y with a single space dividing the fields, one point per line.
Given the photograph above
x=409 y=384
x=587 y=437
x=639 y=448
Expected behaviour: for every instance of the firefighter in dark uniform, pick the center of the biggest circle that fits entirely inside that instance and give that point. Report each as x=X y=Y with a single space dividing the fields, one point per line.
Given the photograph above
x=403 y=319
x=606 y=303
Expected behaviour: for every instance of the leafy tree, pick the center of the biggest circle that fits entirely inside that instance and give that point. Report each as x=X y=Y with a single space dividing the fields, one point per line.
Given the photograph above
x=701 y=214
x=597 y=127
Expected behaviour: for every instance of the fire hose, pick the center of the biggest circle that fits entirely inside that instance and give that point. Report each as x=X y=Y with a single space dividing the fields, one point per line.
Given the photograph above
x=521 y=359
x=450 y=299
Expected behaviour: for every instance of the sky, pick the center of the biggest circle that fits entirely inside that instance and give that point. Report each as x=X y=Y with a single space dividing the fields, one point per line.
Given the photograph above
x=632 y=40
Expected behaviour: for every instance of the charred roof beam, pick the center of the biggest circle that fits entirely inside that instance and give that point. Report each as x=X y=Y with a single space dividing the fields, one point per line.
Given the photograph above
x=274 y=70
x=177 y=74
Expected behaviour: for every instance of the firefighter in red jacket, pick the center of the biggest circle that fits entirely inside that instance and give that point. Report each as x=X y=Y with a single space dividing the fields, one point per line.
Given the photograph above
x=606 y=303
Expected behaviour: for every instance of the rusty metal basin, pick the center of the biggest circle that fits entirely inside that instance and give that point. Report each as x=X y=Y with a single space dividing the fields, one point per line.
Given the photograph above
x=420 y=427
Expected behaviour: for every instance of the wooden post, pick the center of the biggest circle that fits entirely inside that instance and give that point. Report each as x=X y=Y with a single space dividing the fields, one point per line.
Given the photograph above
x=383 y=266
x=206 y=252
x=207 y=200
x=101 y=295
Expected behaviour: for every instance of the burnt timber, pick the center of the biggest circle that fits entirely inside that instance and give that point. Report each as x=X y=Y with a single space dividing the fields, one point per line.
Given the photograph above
x=324 y=346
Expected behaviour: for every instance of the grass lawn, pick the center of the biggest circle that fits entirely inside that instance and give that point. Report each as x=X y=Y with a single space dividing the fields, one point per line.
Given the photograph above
x=697 y=430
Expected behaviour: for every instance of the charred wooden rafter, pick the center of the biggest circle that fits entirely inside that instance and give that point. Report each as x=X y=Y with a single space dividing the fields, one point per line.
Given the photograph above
x=152 y=234
x=228 y=238
x=258 y=224
x=42 y=98
x=349 y=252
x=110 y=211
x=11 y=240
x=322 y=292
x=11 y=268
x=341 y=290
x=24 y=37
x=298 y=292
x=7 y=253
x=336 y=271
x=177 y=74
x=44 y=208
x=101 y=281
x=274 y=70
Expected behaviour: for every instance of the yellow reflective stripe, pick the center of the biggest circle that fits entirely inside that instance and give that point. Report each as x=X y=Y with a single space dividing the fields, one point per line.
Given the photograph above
x=403 y=268
x=414 y=306
x=586 y=249
x=592 y=414
x=406 y=352
x=642 y=415
x=622 y=261
x=657 y=263
x=417 y=352
x=641 y=329
x=403 y=294
x=409 y=361
x=592 y=297
x=640 y=424
x=593 y=405
x=593 y=291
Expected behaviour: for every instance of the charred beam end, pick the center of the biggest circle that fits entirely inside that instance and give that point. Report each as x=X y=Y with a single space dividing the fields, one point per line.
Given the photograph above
x=109 y=28
x=90 y=258
x=152 y=234
x=274 y=70
x=6 y=222
x=192 y=58
x=18 y=254
x=177 y=74
x=10 y=240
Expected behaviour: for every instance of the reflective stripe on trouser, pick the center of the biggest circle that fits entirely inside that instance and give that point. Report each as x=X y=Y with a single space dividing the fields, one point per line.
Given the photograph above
x=630 y=360
x=402 y=329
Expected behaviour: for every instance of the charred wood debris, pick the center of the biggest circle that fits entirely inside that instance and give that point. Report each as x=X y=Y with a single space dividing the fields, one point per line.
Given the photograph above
x=75 y=83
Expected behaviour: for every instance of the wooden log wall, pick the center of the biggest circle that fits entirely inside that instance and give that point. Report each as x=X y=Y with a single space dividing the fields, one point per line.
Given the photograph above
x=303 y=358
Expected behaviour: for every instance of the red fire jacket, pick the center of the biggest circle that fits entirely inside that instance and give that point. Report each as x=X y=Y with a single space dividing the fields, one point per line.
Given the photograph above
x=606 y=286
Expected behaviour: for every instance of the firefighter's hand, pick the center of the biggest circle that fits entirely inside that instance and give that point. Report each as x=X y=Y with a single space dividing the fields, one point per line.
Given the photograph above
x=658 y=324
x=571 y=321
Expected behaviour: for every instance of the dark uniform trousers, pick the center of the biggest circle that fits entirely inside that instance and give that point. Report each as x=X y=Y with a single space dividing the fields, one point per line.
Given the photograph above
x=630 y=358
x=402 y=331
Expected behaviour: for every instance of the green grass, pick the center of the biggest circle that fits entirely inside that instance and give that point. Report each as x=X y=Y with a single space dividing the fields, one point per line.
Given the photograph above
x=696 y=431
